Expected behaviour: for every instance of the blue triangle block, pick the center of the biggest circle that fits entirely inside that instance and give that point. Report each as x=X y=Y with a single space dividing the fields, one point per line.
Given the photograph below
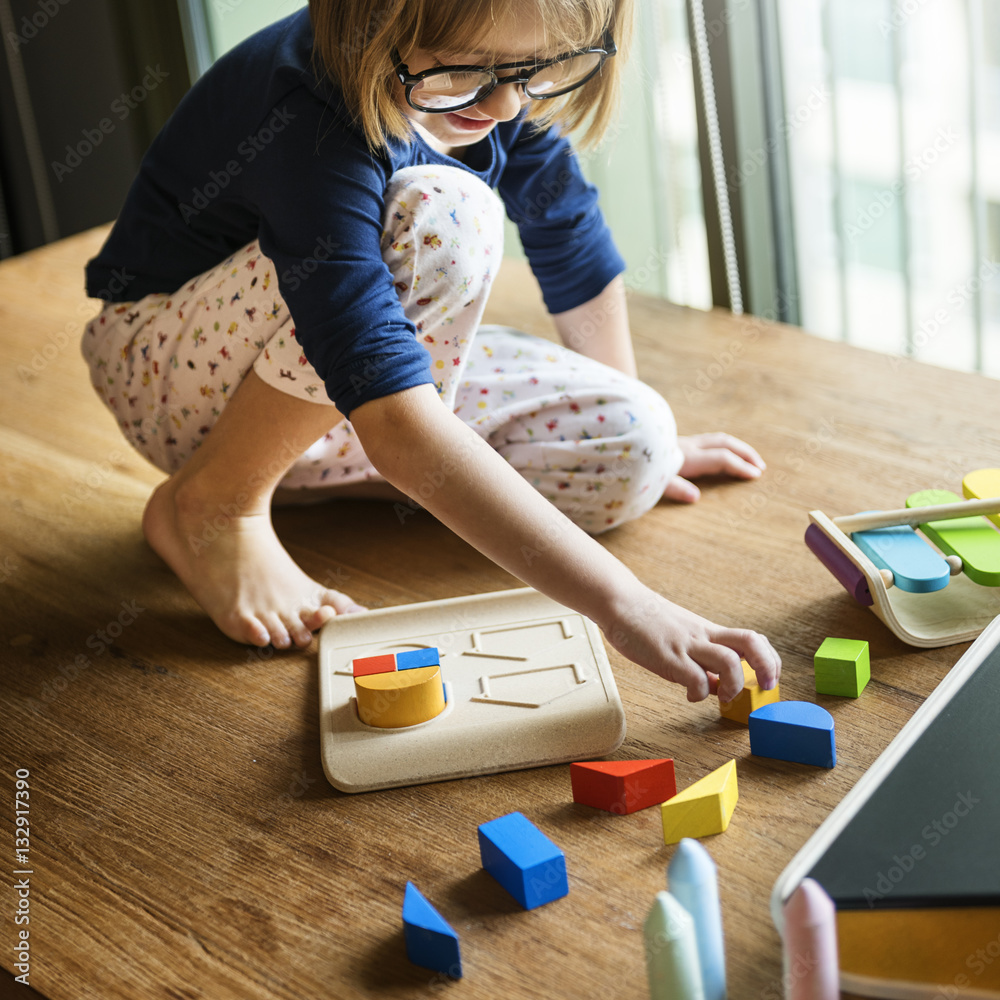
x=793 y=730
x=420 y=913
x=430 y=940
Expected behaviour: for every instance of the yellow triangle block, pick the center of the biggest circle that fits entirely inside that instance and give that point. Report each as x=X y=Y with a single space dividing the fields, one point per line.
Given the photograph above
x=749 y=699
x=703 y=808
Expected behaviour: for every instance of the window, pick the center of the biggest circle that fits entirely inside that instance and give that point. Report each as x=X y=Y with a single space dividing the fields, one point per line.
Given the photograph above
x=893 y=184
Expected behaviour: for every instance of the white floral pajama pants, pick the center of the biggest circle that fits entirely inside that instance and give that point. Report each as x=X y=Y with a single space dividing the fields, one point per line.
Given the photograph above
x=598 y=444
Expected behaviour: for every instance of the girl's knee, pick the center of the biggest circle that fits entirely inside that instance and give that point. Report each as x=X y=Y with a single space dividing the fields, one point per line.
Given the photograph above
x=442 y=243
x=430 y=208
x=636 y=460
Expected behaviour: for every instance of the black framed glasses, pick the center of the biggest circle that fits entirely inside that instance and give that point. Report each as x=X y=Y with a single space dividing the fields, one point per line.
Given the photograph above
x=451 y=88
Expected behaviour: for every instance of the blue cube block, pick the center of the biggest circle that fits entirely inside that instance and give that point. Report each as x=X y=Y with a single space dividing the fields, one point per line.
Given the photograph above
x=430 y=939
x=793 y=730
x=523 y=860
x=412 y=658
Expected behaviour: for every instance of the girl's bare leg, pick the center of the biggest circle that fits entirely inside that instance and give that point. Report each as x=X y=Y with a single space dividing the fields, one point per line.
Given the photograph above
x=211 y=520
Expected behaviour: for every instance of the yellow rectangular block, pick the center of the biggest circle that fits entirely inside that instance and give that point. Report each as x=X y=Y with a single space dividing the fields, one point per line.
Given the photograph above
x=749 y=699
x=703 y=808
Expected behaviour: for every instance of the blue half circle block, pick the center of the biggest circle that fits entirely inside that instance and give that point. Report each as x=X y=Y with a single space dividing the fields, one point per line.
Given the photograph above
x=430 y=940
x=798 y=731
x=523 y=860
x=915 y=566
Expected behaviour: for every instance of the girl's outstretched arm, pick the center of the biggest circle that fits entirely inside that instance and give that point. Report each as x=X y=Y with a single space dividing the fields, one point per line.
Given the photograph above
x=423 y=449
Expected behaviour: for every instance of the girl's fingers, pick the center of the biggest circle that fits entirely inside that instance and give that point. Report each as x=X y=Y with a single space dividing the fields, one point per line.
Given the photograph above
x=706 y=453
x=681 y=491
x=696 y=682
x=719 y=439
x=712 y=461
x=757 y=651
x=724 y=663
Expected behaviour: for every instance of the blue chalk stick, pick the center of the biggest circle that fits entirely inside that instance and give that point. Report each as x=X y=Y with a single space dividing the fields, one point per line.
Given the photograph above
x=694 y=883
x=523 y=860
x=915 y=566
x=793 y=730
x=413 y=658
x=430 y=939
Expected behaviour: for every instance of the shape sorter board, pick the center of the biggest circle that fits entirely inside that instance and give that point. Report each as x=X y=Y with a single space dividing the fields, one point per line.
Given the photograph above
x=527 y=681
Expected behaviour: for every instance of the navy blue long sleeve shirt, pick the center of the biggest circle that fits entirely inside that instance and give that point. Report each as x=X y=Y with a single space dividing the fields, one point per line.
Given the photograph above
x=261 y=149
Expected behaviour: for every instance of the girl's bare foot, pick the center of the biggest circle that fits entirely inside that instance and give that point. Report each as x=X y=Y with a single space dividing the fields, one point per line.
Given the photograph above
x=231 y=561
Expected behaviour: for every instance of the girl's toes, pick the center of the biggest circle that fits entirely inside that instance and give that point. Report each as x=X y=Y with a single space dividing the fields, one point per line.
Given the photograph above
x=245 y=628
x=280 y=638
x=298 y=631
x=341 y=603
x=317 y=617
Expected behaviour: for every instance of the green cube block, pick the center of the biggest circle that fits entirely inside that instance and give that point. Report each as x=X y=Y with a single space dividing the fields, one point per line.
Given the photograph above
x=842 y=667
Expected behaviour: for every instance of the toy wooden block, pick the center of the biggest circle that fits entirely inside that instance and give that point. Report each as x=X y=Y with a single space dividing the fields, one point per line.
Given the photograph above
x=842 y=667
x=387 y=662
x=413 y=658
x=523 y=860
x=430 y=939
x=623 y=786
x=400 y=698
x=972 y=539
x=367 y=665
x=794 y=730
x=703 y=808
x=914 y=565
x=749 y=699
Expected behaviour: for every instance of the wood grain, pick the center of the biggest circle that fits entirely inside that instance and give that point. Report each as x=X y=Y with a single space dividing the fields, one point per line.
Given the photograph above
x=184 y=840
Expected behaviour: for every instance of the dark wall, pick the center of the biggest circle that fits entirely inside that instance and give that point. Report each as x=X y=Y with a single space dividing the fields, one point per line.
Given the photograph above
x=84 y=87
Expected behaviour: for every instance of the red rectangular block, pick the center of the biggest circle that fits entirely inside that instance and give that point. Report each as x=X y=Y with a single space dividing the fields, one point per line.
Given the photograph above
x=384 y=664
x=623 y=786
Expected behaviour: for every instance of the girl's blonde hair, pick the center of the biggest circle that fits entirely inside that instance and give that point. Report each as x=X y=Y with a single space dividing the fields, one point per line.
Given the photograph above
x=354 y=40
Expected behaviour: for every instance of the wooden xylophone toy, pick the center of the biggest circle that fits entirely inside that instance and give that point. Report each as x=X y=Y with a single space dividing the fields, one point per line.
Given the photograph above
x=934 y=588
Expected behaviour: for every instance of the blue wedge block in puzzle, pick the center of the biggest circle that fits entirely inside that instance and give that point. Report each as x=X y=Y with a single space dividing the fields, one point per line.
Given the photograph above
x=915 y=566
x=430 y=940
x=523 y=860
x=412 y=658
x=793 y=730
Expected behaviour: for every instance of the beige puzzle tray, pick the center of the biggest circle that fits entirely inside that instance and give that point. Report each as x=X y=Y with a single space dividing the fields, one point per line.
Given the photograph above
x=527 y=682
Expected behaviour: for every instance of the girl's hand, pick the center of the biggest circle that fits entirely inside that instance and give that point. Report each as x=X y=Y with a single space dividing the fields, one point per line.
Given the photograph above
x=709 y=455
x=690 y=650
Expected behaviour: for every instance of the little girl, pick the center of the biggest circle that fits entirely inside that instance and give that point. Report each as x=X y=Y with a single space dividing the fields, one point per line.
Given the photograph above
x=293 y=294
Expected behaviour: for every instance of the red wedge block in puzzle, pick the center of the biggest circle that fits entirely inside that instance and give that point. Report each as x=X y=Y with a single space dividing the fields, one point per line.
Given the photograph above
x=365 y=665
x=623 y=786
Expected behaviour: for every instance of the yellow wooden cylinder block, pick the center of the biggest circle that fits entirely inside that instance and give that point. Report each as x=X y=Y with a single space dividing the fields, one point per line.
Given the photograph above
x=400 y=697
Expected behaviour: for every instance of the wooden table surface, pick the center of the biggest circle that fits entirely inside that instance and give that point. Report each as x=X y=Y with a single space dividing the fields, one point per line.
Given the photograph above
x=184 y=841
